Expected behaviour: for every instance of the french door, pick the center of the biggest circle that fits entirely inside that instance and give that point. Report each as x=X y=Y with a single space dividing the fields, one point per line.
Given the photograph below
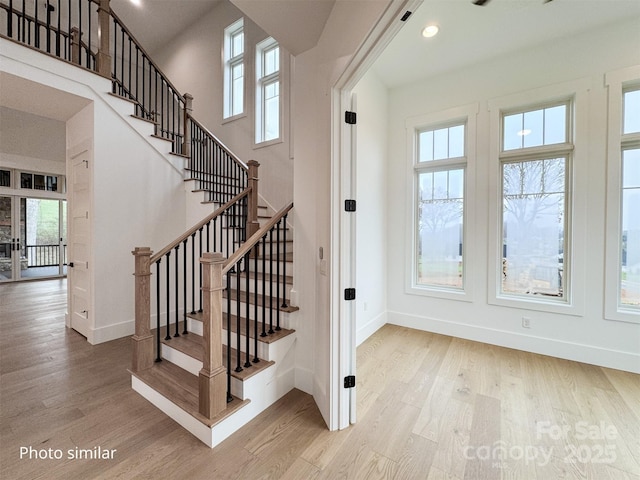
x=33 y=238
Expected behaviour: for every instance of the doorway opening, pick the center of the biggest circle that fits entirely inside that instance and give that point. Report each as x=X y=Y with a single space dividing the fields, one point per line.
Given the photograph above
x=33 y=238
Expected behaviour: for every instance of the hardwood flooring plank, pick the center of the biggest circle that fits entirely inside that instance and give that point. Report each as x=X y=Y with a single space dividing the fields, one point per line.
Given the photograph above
x=422 y=398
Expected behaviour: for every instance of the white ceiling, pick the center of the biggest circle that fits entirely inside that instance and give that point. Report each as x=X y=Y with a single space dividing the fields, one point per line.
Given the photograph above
x=155 y=22
x=296 y=24
x=472 y=34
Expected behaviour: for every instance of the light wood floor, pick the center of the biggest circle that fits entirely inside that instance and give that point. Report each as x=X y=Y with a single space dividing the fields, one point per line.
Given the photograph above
x=429 y=407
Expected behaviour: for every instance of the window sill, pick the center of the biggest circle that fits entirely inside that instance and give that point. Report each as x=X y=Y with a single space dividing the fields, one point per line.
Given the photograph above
x=439 y=292
x=233 y=118
x=622 y=314
x=268 y=143
x=538 y=304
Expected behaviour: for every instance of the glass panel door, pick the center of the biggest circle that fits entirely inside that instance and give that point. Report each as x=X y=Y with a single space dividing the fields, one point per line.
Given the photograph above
x=42 y=252
x=7 y=239
x=33 y=238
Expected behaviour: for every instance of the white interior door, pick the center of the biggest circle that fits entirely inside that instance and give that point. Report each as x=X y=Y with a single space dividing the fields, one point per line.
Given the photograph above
x=79 y=239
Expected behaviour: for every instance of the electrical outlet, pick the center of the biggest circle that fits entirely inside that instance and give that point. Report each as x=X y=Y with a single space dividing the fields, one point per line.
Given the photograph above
x=526 y=322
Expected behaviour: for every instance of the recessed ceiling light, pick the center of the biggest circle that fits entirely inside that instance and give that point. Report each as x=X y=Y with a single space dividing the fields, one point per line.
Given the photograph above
x=524 y=133
x=137 y=3
x=430 y=31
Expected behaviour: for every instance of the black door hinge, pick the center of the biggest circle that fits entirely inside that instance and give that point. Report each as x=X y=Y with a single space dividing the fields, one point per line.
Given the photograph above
x=350 y=381
x=349 y=293
x=406 y=16
x=349 y=205
x=350 y=117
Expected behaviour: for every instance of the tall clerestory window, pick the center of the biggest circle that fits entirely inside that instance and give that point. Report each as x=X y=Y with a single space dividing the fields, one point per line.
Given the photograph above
x=234 y=69
x=267 y=91
x=440 y=177
x=535 y=163
x=629 y=274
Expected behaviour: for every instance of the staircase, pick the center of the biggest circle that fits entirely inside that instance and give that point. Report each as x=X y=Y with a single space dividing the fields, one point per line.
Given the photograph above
x=213 y=345
x=257 y=350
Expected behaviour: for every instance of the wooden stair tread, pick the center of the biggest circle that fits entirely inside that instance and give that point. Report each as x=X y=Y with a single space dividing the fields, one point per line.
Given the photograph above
x=191 y=345
x=270 y=338
x=181 y=388
x=243 y=298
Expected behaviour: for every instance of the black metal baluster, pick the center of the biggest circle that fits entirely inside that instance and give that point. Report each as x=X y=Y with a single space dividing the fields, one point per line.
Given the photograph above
x=264 y=286
x=184 y=286
x=238 y=320
x=255 y=304
x=168 y=336
x=89 y=37
x=228 y=315
x=271 y=281
x=158 y=357
x=284 y=265
x=208 y=235
x=130 y=62
x=177 y=247
x=193 y=273
x=215 y=234
x=247 y=334
x=36 y=35
x=58 y=32
x=80 y=30
x=10 y=20
x=24 y=15
x=278 y=280
x=69 y=31
x=200 y=267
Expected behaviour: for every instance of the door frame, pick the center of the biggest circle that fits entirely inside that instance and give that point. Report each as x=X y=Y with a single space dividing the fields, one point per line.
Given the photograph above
x=343 y=225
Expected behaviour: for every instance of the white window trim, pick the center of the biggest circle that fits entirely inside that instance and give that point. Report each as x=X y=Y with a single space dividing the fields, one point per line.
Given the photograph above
x=261 y=81
x=227 y=64
x=615 y=82
x=466 y=114
x=576 y=201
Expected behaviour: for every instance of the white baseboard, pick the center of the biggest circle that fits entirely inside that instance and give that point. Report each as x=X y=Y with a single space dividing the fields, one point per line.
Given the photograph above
x=111 y=332
x=590 y=354
x=369 y=328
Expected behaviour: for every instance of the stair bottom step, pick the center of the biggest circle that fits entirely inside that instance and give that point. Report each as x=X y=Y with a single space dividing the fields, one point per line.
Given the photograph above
x=180 y=388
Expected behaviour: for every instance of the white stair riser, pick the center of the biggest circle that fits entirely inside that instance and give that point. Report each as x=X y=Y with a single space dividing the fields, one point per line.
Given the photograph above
x=269 y=287
x=270 y=352
x=270 y=313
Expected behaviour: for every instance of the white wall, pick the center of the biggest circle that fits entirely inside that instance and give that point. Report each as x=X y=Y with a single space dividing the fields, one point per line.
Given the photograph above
x=585 y=336
x=315 y=73
x=371 y=194
x=138 y=198
x=193 y=63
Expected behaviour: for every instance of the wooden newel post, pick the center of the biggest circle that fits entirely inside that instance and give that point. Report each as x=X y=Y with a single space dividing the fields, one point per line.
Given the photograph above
x=75 y=45
x=142 y=339
x=212 y=377
x=103 y=59
x=252 y=216
x=188 y=108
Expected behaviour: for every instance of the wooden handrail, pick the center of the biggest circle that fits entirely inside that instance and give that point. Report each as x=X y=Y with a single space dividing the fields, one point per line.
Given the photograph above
x=151 y=62
x=255 y=238
x=199 y=225
x=222 y=145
